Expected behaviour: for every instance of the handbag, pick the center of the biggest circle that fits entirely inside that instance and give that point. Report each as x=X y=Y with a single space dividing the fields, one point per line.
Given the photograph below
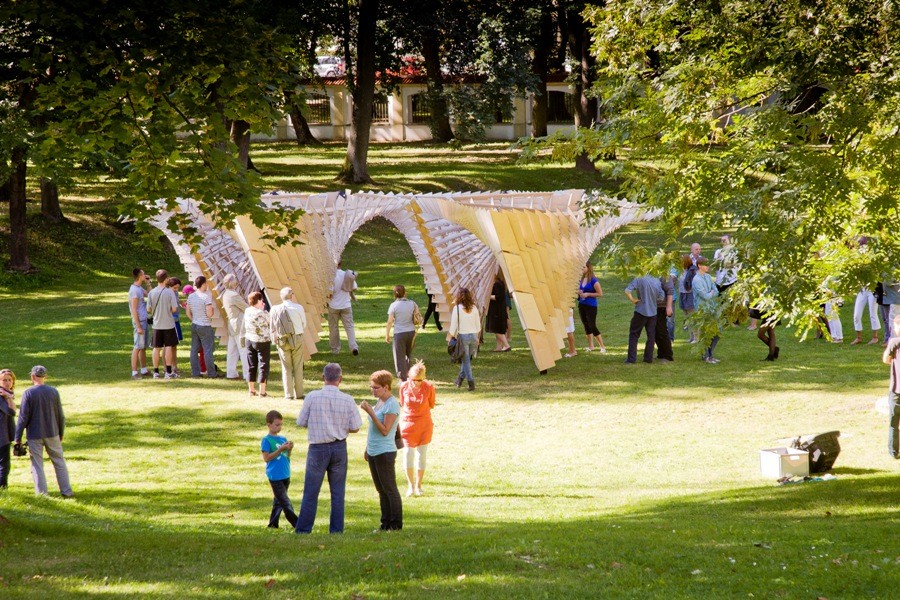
x=454 y=347
x=398 y=439
x=417 y=317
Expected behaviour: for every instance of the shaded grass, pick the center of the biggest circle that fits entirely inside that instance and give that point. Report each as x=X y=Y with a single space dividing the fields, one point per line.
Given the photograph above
x=596 y=480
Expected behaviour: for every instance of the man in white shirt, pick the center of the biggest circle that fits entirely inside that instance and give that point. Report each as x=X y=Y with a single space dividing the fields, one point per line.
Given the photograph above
x=339 y=307
x=200 y=312
x=288 y=321
x=234 y=307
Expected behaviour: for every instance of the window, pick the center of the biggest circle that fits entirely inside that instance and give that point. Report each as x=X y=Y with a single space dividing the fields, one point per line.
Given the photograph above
x=380 y=114
x=504 y=117
x=318 y=109
x=560 y=107
x=419 y=109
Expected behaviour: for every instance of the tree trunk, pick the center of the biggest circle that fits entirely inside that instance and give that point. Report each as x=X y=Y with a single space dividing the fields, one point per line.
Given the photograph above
x=540 y=65
x=355 y=168
x=50 y=207
x=585 y=107
x=18 y=226
x=305 y=137
x=240 y=135
x=539 y=107
x=440 y=112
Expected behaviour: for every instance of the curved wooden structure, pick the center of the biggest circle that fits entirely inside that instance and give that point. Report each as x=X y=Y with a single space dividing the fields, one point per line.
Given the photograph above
x=539 y=240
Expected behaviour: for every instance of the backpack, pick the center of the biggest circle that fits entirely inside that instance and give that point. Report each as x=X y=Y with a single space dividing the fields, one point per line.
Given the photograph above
x=689 y=278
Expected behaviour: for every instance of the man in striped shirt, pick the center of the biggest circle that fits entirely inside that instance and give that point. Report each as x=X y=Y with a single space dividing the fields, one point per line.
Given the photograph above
x=329 y=415
x=200 y=311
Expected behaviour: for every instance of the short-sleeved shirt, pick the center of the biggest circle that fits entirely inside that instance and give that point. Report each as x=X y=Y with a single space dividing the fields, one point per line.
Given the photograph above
x=256 y=325
x=649 y=291
x=198 y=301
x=588 y=288
x=403 y=310
x=163 y=304
x=136 y=291
x=668 y=287
x=340 y=299
x=279 y=467
x=329 y=415
x=381 y=444
x=892 y=349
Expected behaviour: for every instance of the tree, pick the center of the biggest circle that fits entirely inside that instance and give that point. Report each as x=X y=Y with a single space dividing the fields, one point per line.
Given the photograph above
x=776 y=120
x=151 y=88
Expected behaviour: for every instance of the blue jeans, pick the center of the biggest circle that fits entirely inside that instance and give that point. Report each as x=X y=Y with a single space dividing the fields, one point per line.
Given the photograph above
x=470 y=345
x=330 y=458
x=205 y=336
x=708 y=353
x=281 y=503
x=893 y=437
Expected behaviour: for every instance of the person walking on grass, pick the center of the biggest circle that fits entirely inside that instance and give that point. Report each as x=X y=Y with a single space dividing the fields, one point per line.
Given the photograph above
x=465 y=325
x=890 y=358
x=329 y=416
x=381 y=449
x=340 y=308
x=288 y=321
x=276 y=453
x=649 y=294
x=402 y=317
x=41 y=416
x=137 y=306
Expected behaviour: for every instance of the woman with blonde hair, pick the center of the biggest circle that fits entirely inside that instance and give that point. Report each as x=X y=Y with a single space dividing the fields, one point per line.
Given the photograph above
x=381 y=449
x=7 y=421
x=465 y=325
x=416 y=426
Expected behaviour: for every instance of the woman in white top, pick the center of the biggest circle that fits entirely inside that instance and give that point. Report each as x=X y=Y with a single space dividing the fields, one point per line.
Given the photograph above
x=465 y=325
x=259 y=342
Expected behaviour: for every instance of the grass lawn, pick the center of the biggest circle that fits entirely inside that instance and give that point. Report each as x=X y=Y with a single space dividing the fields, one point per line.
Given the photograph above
x=597 y=480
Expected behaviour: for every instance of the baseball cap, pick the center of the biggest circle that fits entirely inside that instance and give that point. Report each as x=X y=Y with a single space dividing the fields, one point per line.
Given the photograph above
x=38 y=371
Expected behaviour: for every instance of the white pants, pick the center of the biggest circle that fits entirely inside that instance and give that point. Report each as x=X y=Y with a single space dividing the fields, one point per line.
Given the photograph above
x=416 y=457
x=835 y=327
x=863 y=298
x=236 y=353
x=292 y=371
x=345 y=315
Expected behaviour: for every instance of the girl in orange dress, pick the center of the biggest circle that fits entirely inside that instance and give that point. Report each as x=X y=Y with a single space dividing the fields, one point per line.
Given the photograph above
x=416 y=426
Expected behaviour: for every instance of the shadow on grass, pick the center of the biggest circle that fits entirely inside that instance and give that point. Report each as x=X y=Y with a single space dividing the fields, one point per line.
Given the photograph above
x=832 y=539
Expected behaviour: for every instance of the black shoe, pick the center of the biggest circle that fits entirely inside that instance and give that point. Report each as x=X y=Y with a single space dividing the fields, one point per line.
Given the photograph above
x=777 y=350
x=769 y=358
x=471 y=385
x=355 y=352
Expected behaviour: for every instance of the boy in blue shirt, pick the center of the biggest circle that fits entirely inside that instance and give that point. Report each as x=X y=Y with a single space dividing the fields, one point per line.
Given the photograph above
x=276 y=452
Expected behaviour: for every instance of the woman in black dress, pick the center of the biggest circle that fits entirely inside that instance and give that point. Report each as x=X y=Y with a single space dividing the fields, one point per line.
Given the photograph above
x=498 y=314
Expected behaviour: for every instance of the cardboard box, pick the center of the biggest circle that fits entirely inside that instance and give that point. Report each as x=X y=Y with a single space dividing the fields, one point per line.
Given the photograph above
x=776 y=463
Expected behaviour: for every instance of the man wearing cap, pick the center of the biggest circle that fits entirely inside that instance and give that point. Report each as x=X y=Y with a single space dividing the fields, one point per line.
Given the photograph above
x=288 y=322
x=41 y=414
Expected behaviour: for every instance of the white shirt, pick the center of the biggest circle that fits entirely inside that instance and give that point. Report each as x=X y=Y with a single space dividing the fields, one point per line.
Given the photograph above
x=469 y=322
x=339 y=298
x=727 y=273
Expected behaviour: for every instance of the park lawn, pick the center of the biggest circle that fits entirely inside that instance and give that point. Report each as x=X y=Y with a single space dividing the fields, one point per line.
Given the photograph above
x=597 y=480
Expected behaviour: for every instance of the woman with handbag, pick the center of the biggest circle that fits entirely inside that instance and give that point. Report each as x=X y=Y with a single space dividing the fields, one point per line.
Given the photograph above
x=404 y=317
x=465 y=325
x=7 y=421
x=416 y=426
x=381 y=449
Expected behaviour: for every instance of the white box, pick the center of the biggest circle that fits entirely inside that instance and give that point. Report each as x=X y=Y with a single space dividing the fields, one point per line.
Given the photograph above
x=780 y=462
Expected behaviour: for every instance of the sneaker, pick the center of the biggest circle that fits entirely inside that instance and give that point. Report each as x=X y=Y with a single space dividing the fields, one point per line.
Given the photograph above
x=409 y=491
x=356 y=352
x=711 y=360
x=171 y=375
x=603 y=350
x=570 y=354
x=156 y=375
x=146 y=374
x=588 y=349
x=137 y=377
x=419 y=492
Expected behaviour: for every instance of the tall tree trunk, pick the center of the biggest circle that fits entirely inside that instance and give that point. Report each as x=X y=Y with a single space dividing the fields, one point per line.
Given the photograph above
x=305 y=137
x=356 y=168
x=50 y=207
x=440 y=112
x=585 y=107
x=540 y=65
x=539 y=109
x=18 y=226
x=240 y=135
